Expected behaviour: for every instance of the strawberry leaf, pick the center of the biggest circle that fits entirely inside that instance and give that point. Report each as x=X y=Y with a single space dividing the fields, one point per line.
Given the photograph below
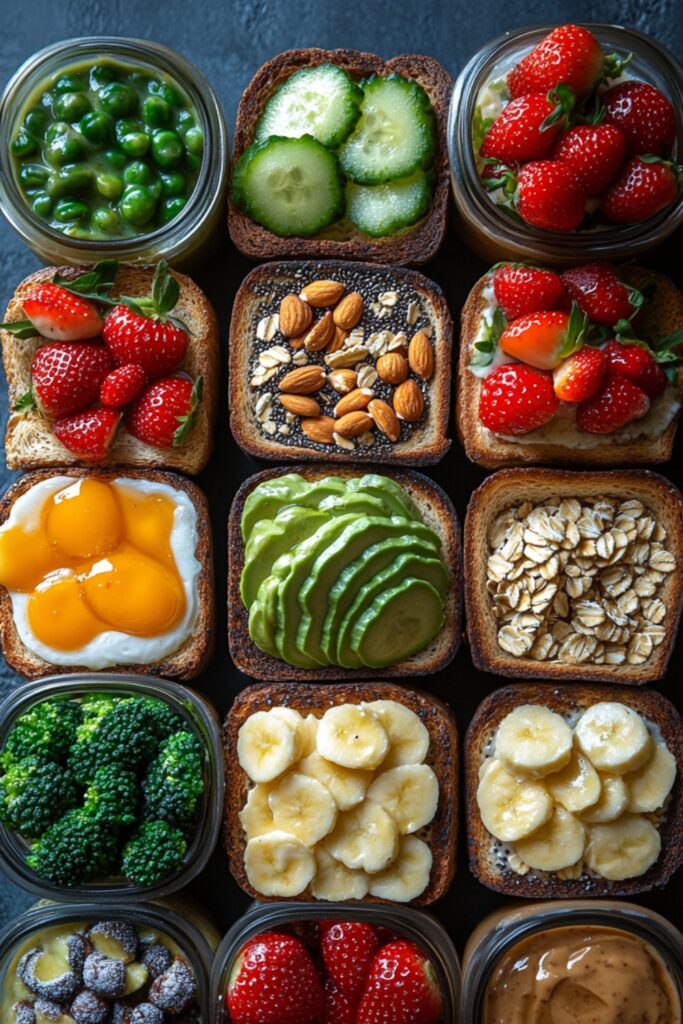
x=576 y=332
x=95 y=284
x=480 y=127
x=20 y=329
x=165 y=289
x=614 y=64
x=562 y=96
x=26 y=403
x=186 y=423
x=486 y=347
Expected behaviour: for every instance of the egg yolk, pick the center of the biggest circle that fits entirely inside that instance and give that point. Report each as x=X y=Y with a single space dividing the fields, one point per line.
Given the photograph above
x=99 y=559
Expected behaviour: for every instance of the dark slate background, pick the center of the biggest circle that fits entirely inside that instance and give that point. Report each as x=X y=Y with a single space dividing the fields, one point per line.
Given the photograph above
x=228 y=42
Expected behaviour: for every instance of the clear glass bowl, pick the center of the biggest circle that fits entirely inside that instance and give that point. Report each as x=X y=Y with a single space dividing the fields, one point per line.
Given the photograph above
x=491 y=233
x=417 y=926
x=197 y=712
x=505 y=928
x=185 y=241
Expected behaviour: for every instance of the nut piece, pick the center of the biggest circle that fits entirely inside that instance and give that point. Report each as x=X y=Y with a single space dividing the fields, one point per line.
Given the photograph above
x=323 y=293
x=348 y=312
x=339 y=339
x=392 y=367
x=385 y=418
x=296 y=316
x=353 y=424
x=320 y=334
x=320 y=429
x=342 y=381
x=408 y=401
x=355 y=400
x=421 y=356
x=300 y=405
x=345 y=357
x=304 y=380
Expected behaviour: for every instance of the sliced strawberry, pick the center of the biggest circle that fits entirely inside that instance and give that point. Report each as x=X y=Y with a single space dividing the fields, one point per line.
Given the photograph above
x=122 y=385
x=545 y=338
x=594 y=152
x=550 y=196
x=644 y=115
x=644 y=186
x=274 y=981
x=570 y=55
x=89 y=435
x=600 y=294
x=580 y=376
x=402 y=988
x=66 y=377
x=57 y=313
x=347 y=949
x=616 y=403
x=638 y=365
x=164 y=414
x=515 y=399
x=524 y=130
x=520 y=289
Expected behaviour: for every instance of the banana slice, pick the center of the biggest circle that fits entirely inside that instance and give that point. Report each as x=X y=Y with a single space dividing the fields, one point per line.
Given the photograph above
x=256 y=817
x=612 y=802
x=623 y=849
x=353 y=737
x=613 y=737
x=533 y=741
x=410 y=793
x=510 y=808
x=278 y=864
x=408 y=736
x=333 y=881
x=364 y=838
x=649 y=786
x=557 y=844
x=310 y=736
x=348 y=786
x=297 y=723
x=576 y=786
x=408 y=876
x=267 y=745
x=303 y=806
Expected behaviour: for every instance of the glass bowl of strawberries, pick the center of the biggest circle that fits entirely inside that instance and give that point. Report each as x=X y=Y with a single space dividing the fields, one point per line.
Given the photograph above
x=564 y=142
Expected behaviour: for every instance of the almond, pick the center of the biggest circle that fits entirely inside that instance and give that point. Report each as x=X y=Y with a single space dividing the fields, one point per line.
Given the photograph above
x=349 y=311
x=298 y=342
x=421 y=356
x=323 y=293
x=320 y=334
x=408 y=401
x=320 y=428
x=303 y=381
x=353 y=424
x=300 y=405
x=392 y=367
x=296 y=316
x=339 y=339
x=385 y=418
x=342 y=381
x=355 y=400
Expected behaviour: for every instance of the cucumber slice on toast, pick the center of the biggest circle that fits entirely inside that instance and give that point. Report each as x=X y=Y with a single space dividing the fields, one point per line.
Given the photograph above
x=323 y=102
x=380 y=210
x=400 y=622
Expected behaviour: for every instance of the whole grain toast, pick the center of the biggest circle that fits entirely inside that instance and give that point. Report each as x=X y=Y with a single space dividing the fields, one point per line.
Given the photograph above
x=415 y=244
x=427 y=442
x=29 y=440
x=662 y=316
x=487 y=855
x=442 y=758
x=189 y=660
x=510 y=487
x=438 y=513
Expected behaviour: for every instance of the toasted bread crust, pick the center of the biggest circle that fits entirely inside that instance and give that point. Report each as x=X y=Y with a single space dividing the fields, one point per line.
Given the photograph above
x=486 y=449
x=415 y=245
x=29 y=440
x=508 y=487
x=192 y=656
x=427 y=445
x=442 y=757
x=439 y=514
x=653 y=706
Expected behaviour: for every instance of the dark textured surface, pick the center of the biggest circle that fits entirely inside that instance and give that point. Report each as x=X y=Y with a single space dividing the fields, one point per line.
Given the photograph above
x=228 y=41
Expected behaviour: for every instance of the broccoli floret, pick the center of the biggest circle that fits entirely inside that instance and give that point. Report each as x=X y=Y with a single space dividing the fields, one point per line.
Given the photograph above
x=175 y=780
x=156 y=850
x=94 y=708
x=112 y=797
x=75 y=849
x=34 y=793
x=45 y=731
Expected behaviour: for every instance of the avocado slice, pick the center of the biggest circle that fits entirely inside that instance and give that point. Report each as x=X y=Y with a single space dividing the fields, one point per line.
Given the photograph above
x=269 y=539
x=397 y=499
x=357 y=501
x=263 y=616
x=400 y=622
x=266 y=500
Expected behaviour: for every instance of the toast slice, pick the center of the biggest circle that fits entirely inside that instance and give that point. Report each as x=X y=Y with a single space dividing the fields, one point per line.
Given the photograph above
x=29 y=440
x=260 y=295
x=509 y=487
x=662 y=316
x=442 y=758
x=438 y=513
x=416 y=244
x=488 y=860
x=190 y=659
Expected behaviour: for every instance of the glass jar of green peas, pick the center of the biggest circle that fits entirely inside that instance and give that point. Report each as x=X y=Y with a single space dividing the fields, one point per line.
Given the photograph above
x=113 y=147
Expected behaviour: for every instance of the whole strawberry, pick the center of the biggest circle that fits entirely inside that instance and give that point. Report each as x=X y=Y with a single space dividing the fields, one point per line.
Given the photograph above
x=594 y=152
x=616 y=403
x=66 y=377
x=402 y=988
x=644 y=186
x=122 y=385
x=57 y=313
x=88 y=435
x=515 y=399
x=638 y=365
x=545 y=338
x=274 y=981
x=643 y=114
x=520 y=289
x=520 y=131
x=550 y=196
x=164 y=413
x=580 y=376
x=600 y=294
x=569 y=55
x=339 y=1008
x=347 y=949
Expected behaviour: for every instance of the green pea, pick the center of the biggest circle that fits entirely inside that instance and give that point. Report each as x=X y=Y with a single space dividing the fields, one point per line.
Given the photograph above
x=135 y=143
x=194 y=141
x=71 y=106
x=33 y=175
x=173 y=183
x=97 y=127
x=137 y=173
x=23 y=144
x=194 y=162
x=155 y=188
x=56 y=129
x=166 y=91
x=106 y=220
x=167 y=149
x=184 y=120
x=118 y=99
x=68 y=210
x=156 y=113
x=41 y=204
x=115 y=159
x=74 y=82
x=101 y=75
x=138 y=205
x=69 y=180
x=125 y=125
x=36 y=122
x=170 y=208
x=65 y=149
x=108 y=185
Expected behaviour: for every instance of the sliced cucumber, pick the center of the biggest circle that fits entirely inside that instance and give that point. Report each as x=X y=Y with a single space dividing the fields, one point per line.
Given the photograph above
x=396 y=133
x=400 y=622
x=380 y=210
x=323 y=102
x=289 y=186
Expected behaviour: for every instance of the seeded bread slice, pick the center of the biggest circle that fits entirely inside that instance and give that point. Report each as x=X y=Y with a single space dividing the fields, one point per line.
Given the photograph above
x=509 y=487
x=488 y=861
x=662 y=316
x=442 y=758
x=438 y=513
x=415 y=244
x=190 y=659
x=29 y=440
